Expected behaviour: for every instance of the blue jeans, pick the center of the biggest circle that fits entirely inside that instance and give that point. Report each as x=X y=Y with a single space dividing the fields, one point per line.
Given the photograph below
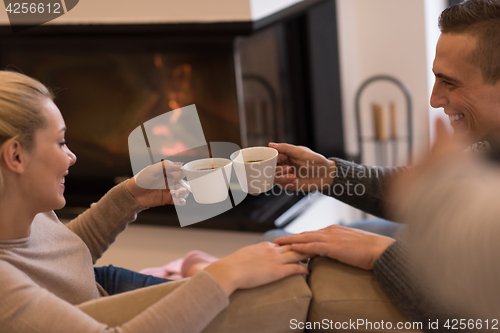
x=117 y=280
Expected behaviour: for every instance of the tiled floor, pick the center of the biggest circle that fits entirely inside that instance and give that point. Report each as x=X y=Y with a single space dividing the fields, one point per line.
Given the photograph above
x=141 y=246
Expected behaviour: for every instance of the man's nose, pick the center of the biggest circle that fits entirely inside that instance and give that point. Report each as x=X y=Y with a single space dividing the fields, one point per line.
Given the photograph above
x=438 y=97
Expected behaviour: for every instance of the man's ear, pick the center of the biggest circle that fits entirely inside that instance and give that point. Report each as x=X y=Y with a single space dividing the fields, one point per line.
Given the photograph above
x=14 y=156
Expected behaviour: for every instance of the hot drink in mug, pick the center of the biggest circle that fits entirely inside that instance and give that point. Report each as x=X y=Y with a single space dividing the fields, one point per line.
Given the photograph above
x=208 y=179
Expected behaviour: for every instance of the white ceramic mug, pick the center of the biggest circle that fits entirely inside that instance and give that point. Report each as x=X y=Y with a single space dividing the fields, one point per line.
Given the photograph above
x=208 y=185
x=255 y=168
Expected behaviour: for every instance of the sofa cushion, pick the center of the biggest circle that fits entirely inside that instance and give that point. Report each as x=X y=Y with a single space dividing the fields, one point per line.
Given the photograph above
x=268 y=308
x=344 y=295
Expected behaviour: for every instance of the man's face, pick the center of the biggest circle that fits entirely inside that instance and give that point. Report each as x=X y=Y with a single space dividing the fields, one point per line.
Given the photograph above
x=472 y=106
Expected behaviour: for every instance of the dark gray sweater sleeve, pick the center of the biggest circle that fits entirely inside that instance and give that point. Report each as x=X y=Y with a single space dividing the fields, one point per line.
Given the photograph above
x=393 y=272
x=363 y=187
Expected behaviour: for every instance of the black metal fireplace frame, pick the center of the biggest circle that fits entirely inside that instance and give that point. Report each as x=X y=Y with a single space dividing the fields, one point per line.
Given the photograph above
x=309 y=52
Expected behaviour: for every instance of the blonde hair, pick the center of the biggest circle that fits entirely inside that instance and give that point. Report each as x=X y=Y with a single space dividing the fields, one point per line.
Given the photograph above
x=20 y=111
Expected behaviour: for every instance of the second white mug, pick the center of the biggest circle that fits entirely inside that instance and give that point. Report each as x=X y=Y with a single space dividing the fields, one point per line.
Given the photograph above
x=255 y=168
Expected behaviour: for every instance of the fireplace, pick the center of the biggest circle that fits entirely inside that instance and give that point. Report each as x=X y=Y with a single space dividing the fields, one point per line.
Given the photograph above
x=271 y=80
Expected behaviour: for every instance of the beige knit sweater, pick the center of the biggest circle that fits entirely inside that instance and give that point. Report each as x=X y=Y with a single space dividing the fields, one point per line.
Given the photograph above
x=44 y=275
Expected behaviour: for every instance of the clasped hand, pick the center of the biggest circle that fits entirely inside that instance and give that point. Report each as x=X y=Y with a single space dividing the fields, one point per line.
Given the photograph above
x=348 y=245
x=256 y=265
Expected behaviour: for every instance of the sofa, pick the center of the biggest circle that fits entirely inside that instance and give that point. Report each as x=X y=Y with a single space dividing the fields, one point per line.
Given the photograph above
x=334 y=297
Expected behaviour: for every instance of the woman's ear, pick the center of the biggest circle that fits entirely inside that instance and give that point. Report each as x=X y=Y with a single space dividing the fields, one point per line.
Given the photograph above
x=13 y=156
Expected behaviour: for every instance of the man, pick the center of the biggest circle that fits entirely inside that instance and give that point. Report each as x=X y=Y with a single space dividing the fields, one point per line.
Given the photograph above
x=467 y=71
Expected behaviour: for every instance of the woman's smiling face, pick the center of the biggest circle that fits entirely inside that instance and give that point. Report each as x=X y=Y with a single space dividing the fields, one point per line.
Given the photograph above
x=472 y=105
x=49 y=161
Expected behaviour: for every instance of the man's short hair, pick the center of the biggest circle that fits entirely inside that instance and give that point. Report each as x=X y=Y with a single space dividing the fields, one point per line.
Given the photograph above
x=481 y=19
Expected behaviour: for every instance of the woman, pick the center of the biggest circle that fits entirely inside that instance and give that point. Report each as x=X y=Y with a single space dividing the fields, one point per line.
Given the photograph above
x=46 y=267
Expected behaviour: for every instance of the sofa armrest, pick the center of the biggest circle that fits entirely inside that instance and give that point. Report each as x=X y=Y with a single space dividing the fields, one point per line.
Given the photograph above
x=346 y=294
x=268 y=308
